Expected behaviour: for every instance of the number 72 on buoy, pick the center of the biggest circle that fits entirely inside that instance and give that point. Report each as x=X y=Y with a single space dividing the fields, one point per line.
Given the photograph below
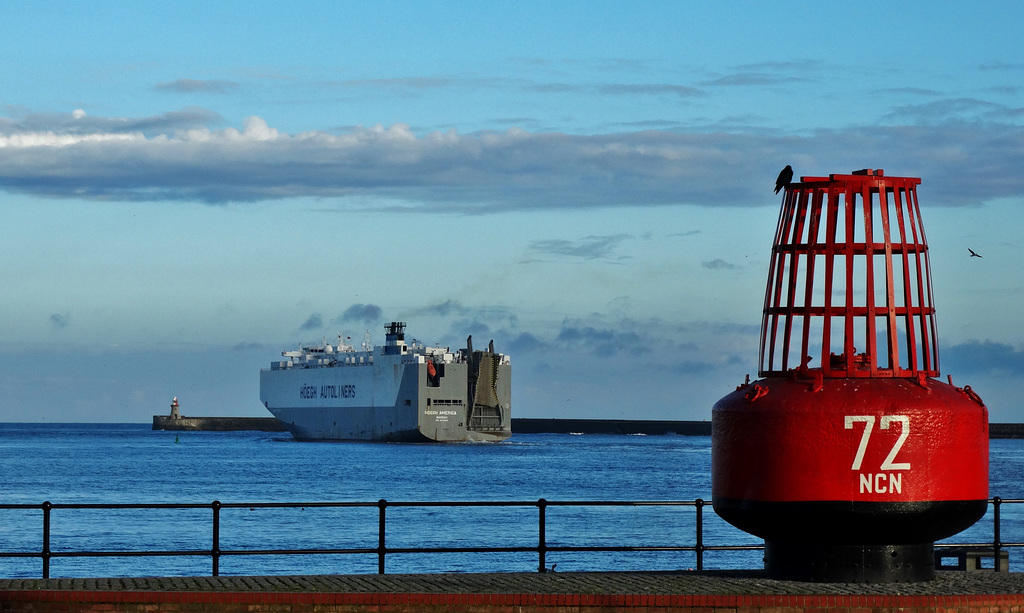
x=880 y=482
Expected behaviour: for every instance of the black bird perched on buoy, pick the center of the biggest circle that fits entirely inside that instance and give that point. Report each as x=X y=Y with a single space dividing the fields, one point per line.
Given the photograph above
x=973 y=254
x=785 y=178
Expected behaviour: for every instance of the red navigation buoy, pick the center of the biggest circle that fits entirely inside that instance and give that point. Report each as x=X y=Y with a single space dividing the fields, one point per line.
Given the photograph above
x=848 y=455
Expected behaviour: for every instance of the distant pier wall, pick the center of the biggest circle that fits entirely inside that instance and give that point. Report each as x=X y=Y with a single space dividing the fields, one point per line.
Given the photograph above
x=1001 y=430
x=218 y=424
x=526 y=425
x=520 y=425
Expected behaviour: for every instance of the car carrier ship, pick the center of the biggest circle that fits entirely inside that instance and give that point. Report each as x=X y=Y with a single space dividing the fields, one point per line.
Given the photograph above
x=395 y=392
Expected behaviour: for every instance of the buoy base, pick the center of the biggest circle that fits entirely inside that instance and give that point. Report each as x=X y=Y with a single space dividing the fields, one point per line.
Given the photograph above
x=834 y=563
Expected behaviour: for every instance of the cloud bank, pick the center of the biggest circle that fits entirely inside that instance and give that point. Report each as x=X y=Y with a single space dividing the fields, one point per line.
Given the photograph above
x=362 y=313
x=196 y=86
x=313 y=322
x=588 y=247
x=178 y=156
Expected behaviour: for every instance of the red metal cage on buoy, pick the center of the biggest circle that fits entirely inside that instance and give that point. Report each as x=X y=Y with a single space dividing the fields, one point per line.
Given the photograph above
x=848 y=456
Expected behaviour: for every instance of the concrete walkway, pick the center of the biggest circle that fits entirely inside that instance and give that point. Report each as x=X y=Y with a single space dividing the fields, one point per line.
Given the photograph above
x=682 y=582
x=651 y=592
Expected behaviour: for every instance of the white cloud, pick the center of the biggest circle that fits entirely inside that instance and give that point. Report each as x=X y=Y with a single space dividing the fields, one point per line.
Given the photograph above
x=178 y=156
x=50 y=139
x=258 y=129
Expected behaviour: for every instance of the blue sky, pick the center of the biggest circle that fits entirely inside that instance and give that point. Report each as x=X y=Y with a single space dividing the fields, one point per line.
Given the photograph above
x=190 y=188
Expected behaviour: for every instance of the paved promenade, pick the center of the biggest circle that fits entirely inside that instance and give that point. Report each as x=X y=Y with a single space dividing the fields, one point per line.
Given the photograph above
x=607 y=592
x=681 y=582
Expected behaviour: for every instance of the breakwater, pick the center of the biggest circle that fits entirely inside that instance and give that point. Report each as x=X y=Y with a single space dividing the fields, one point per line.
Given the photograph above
x=521 y=425
x=217 y=424
x=1001 y=430
x=525 y=425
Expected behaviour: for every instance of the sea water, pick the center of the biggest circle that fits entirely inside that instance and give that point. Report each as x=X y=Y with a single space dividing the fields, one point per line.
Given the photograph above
x=130 y=463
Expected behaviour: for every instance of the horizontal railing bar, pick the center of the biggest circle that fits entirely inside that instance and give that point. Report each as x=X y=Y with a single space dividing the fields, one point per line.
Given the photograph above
x=595 y=548
x=206 y=553
x=655 y=548
x=267 y=505
x=271 y=505
x=192 y=505
x=453 y=503
x=203 y=553
x=127 y=554
x=391 y=550
x=19 y=554
x=111 y=505
x=284 y=552
x=622 y=503
x=985 y=545
x=534 y=503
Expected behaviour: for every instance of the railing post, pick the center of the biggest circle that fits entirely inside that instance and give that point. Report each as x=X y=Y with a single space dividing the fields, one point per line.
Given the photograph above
x=542 y=546
x=46 y=539
x=215 y=548
x=995 y=531
x=700 y=533
x=381 y=547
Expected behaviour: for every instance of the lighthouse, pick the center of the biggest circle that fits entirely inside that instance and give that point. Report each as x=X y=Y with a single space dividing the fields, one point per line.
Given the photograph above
x=848 y=455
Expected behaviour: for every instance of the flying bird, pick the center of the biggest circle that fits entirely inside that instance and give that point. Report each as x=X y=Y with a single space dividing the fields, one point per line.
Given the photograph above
x=785 y=178
x=973 y=254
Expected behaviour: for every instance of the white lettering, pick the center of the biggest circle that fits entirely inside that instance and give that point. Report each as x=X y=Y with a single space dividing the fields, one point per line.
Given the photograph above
x=309 y=392
x=433 y=412
x=869 y=424
x=881 y=483
x=904 y=422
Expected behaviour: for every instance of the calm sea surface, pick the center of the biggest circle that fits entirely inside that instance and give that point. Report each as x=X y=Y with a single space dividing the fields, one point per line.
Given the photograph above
x=130 y=463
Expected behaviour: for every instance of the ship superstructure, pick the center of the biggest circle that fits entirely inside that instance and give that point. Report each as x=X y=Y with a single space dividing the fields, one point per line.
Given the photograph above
x=392 y=392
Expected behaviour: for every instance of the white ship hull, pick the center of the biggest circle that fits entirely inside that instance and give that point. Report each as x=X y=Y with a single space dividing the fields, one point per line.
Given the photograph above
x=394 y=393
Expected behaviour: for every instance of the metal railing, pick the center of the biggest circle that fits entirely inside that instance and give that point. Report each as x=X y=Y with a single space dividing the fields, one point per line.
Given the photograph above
x=382 y=550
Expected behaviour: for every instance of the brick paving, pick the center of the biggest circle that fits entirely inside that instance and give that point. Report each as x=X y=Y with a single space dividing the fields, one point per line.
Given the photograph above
x=599 y=583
